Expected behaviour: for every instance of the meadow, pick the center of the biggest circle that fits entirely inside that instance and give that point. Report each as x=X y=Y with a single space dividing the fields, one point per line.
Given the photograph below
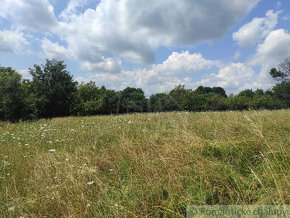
x=143 y=165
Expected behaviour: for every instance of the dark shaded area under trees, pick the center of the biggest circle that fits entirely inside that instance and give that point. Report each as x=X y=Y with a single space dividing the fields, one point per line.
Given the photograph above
x=53 y=93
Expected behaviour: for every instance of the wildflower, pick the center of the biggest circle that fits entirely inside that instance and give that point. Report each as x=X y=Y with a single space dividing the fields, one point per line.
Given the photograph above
x=52 y=150
x=111 y=170
x=129 y=122
x=91 y=182
x=116 y=205
x=67 y=159
x=11 y=208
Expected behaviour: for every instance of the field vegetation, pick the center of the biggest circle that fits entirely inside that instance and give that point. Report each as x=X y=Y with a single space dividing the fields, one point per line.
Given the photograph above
x=143 y=165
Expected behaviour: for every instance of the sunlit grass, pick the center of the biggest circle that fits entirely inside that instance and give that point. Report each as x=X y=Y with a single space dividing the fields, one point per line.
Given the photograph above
x=143 y=164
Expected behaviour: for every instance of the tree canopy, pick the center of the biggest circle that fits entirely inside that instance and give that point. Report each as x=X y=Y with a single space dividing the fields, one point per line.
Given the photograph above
x=53 y=93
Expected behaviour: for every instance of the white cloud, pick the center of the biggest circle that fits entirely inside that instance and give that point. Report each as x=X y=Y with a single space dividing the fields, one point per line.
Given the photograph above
x=173 y=71
x=13 y=42
x=273 y=50
x=133 y=29
x=30 y=14
x=183 y=63
x=233 y=78
x=72 y=8
x=129 y=29
x=177 y=69
x=108 y=65
x=251 y=33
x=54 y=50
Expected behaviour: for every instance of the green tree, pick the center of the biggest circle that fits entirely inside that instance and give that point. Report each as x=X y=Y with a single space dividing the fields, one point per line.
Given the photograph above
x=159 y=102
x=54 y=89
x=283 y=72
x=282 y=92
x=282 y=75
x=176 y=98
x=11 y=95
x=132 y=100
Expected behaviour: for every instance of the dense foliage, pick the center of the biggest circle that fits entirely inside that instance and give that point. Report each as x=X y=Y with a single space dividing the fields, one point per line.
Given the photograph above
x=53 y=93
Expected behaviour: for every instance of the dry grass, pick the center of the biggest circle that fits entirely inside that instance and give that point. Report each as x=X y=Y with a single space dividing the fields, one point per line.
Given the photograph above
x=143 y=165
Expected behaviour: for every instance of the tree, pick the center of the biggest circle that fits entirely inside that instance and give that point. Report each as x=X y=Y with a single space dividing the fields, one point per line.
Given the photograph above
x=282 y=92
x=86 y=100
x=176 y=98
x=282 y=89
x=248 y=93
x=205 y=90
x=283 y=72
x=159 y=102
x=11 y=98
x=285 y=68
x=54 y=89
x=132 y=100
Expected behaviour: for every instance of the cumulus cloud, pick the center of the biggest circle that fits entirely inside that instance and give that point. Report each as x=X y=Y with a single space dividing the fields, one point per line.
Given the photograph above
x=127 y=29
x=177 y=69
x=11 y=41
x=54 y=50
x=273 y=50
x=72 y=8
x=233 y=77
x=29 y=14
x=107 y=65
x=173 y=71
x=251 y=33
x=133 y=29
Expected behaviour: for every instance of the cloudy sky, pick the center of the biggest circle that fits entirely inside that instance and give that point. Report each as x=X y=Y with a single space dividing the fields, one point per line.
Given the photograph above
x=152 y=44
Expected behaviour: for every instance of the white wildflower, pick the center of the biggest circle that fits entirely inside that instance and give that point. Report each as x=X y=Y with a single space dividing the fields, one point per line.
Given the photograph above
x=91 y=182
x=11 y=208
x=52 y=150
x=116 y=205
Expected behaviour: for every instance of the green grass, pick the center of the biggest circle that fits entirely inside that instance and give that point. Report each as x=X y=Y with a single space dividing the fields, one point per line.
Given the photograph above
x=143 y=164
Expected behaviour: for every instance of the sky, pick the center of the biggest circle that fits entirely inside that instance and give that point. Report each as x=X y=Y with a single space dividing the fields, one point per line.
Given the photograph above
x=154 y=44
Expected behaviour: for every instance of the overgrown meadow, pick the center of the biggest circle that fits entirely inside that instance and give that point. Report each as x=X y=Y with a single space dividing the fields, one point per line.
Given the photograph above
x=143 y=164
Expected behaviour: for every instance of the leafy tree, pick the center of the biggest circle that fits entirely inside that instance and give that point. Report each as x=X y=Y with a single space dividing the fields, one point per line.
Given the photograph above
x=86 y=100
x=205 y=90
x=214 y=102
x=159 y=102
x=110 y=102
x=282 y=92
x=248 y=93
x=239 y=102
x=282 y=89
x=220 y=91
x=54 y=89
x=132 y=100
x=29 y=101
x=176 y=98
x=194 y=102
x=11 y=95
x=283 y=72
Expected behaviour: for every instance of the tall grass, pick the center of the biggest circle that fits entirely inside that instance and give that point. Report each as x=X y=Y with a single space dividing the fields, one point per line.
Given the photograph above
x=143 y=164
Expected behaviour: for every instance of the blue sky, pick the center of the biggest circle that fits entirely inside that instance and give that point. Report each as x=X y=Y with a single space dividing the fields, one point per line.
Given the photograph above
x=154 y=45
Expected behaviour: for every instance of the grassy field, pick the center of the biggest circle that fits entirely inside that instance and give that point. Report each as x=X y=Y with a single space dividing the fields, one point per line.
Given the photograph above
x=143 y=164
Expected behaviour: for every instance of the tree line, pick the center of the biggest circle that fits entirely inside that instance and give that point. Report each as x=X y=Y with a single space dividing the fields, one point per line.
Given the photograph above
x=52 y=92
